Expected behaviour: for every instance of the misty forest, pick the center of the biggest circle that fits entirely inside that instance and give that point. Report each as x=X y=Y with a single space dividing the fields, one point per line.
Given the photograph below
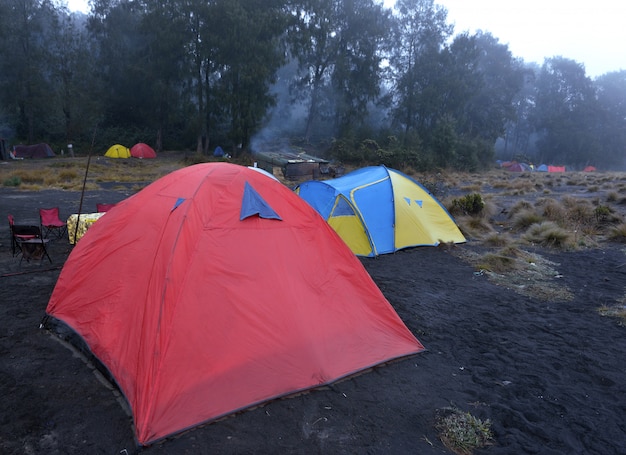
x=350 y=80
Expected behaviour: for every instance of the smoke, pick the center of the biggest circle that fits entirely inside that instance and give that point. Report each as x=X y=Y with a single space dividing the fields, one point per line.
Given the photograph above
x=286 y=120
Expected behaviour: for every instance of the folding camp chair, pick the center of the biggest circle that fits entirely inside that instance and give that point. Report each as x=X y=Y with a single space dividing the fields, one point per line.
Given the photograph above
x=51 y=223
x=27 y=241
x=101 y=208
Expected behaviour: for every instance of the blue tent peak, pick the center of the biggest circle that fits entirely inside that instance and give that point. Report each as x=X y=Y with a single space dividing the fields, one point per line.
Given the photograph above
x=253 y=204
x=179 y=201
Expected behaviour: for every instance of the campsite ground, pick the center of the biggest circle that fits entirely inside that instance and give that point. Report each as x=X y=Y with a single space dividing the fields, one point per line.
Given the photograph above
x=529 y=349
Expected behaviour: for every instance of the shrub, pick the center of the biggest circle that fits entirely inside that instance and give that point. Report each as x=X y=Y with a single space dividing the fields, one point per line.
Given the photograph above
x=14 y=180
x=470 y=204
x=461 y=432
x=602 y=213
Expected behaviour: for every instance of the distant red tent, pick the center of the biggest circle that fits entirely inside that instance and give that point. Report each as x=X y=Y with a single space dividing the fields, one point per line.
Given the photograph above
x=556 y=168
x=589 y=169
x=217 y=288
x=33 y=151
x=141 y=150
x=513 y=166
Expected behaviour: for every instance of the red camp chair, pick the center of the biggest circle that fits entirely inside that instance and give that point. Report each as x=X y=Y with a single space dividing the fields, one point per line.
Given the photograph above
x=28 y=241
x=104 y=207
x=51 y=223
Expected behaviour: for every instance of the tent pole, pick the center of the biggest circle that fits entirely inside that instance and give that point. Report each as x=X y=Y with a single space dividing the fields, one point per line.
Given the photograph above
x=82 y=193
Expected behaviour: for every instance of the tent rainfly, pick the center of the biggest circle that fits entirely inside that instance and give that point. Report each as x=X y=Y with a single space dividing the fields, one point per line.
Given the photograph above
x=198 y=305
x=141 y=150
x=378 y=210
x=33 y=151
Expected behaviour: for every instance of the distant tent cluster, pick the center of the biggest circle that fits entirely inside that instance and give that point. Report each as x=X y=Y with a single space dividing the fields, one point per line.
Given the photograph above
x=550 y=168
x=139 y=150
x=515 y=166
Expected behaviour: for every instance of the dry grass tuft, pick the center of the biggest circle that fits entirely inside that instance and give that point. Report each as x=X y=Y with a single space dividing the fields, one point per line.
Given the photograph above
x=520 y=206
x=551 y=210
x=475 y=228
x=618 y=233
x=579 y=211
x=524 y=219
x=617 y=311
x=497 y=240
x=526 y=273
x=497 y=263
x=549 y=234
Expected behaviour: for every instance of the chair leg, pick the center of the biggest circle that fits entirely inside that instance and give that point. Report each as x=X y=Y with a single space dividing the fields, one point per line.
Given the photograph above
x=45 y=251
x=33 y=250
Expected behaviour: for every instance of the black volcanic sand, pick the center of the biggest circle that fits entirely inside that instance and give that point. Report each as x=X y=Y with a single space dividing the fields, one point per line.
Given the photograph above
x=551 y=376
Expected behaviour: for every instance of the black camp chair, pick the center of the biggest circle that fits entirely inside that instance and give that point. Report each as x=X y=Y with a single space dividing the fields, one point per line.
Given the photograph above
x=27 y=242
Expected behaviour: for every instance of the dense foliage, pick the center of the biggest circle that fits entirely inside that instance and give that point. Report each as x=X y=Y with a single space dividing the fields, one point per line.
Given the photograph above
x=345 y=79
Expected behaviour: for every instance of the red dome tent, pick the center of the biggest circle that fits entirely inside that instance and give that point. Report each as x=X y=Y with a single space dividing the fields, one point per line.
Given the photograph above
x=141 y=150
x=217 y=288
x=33 y=151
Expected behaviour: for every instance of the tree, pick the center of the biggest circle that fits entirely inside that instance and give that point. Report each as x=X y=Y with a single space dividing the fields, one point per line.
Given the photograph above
x=337 y=45
x=419 y=35
x=611 y=93
x=566 y=113
x=501 y=78
x=248 y=54
x=73 y=75
x=519 y=130
x=116 y=26
x=357 y=73
x=161 y=64
x=25 y=66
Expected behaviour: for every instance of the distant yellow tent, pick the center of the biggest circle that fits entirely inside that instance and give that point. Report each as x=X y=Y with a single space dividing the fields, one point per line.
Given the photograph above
x=118 y=151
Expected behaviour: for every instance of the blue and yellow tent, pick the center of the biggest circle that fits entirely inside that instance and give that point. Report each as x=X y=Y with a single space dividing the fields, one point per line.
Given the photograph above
x=378 y=210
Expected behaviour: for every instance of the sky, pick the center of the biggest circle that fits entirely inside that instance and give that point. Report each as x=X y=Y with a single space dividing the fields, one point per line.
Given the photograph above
x=78 y=5
x=590 y=32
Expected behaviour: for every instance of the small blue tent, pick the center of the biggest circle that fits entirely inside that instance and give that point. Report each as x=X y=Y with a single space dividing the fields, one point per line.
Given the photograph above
x=378 y=210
